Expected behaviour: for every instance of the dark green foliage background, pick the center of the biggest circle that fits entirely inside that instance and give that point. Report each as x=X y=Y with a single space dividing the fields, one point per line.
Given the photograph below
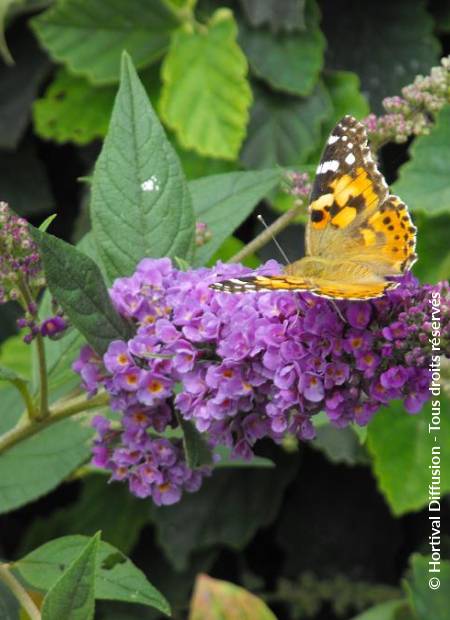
x=330 y=531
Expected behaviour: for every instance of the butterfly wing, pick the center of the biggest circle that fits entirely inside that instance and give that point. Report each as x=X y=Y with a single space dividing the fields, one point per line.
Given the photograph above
x=351 y=213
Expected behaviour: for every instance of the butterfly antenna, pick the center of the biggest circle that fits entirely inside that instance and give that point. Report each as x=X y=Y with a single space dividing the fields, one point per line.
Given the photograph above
x=280 y=249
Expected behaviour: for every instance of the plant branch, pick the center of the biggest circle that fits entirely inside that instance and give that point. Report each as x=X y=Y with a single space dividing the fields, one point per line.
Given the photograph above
x=266 y=235
x=61 y=410
x=25 y=600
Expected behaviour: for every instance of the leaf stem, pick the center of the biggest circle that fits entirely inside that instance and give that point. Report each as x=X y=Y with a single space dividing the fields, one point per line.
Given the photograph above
x=266 y=235
x=25 y=600
x=42 y=412
x=61 y=410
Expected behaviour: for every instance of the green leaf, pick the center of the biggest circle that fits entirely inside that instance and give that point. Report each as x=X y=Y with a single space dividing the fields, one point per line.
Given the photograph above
x=214 y=598
x=195 y=166
x=432 y=247
x=228 y=249
x=76 y=283
x=386 y=43
x=6 y=374
x=389 y=610
x=4 y=50
x=289 y=62
x=72 y=110
x=100 y=505
x=224 y=201
x=278 y=14
x=9 y=605
x=116 y=577
x=429 y=603
x=46 y=223
x=15 y=354
x=37 y=465
x=423 y=181
x=284 y=130
x=206 y=96
x=344 y=88
x=400 y=442
x=140 y=201
x=228 y=509
x=73 y=595
x=18 y=86
x=89 y=37
x=195 y=447
x=340 y=445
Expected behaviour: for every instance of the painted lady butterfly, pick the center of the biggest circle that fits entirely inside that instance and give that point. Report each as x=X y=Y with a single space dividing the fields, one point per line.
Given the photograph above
x=357 y=233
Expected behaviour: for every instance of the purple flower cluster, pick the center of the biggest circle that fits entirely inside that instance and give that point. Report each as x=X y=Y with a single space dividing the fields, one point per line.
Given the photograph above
x=22 y=277
x=20 y=265
x=414 y=111
x=246 y=366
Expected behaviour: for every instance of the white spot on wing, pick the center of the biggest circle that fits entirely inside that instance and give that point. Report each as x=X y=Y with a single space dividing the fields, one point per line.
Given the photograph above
x=150 y=185
x=344 y=138
x=325 y=166
x=332 y=139
x=350 y=159
x=349 y=145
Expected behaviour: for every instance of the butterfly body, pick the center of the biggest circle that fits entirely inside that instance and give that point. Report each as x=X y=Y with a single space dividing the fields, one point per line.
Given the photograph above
x=357 y=235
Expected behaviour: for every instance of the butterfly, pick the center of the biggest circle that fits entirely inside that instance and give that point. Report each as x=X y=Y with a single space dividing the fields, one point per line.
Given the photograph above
x=357 y=234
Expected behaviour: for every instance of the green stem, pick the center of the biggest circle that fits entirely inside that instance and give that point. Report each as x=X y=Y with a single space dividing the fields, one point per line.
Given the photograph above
x=60 y=410
x=266 y=235
x=42 y=412
x=25 y=600
x=43 y=385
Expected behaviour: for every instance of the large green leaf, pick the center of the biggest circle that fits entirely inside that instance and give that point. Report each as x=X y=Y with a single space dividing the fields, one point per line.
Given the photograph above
x=76 y=283
x=16 y=355
x=100 y=505
x=346 y=98
x=423 y=181
x=73 y=595
x=73 y=110
x=89 y=36
x=432 y=247
x=284 y=130
x=229 y=508
x=344 y=89
x=116 y=577
x=401 y=446
x=278 y=14
x=37 y=465
x=140 y=201
x=386 y=43
x=224 y=201
x=290 y=62
x=429 y=602
x=206 y=96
